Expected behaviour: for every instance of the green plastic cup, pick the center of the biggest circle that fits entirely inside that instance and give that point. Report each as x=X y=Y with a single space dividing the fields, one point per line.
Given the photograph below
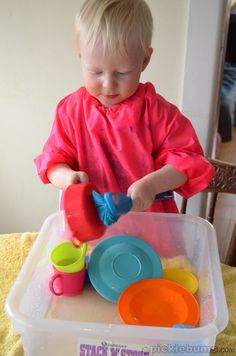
x=67 y=258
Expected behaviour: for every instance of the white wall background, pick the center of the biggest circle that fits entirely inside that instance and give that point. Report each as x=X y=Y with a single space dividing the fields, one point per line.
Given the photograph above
x=38 y=66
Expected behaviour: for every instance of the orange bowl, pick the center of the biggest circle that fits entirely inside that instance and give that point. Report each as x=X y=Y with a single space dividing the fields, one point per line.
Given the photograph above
x=158 y=302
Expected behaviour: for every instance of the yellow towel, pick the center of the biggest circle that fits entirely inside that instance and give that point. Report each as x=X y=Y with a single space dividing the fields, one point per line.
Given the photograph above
x=15 y=247
x=13 y=250
x=226 y=341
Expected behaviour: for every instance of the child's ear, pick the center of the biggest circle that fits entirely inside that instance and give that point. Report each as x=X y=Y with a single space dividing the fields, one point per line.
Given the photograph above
x=147 y=58
x=78 y=55
x=78 y=50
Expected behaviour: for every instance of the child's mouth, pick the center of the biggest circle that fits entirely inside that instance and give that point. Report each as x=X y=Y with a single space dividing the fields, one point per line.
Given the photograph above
x=110 y=96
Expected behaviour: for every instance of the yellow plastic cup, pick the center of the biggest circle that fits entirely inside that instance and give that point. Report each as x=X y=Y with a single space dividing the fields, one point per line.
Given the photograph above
x=67 y=258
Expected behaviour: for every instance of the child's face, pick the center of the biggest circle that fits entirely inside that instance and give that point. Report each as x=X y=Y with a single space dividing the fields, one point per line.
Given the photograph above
x=112 y=78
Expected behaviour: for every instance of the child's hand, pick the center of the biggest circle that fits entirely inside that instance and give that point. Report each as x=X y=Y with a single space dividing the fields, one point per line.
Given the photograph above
x=77 y=177
x=61 y=175
x=142 y=194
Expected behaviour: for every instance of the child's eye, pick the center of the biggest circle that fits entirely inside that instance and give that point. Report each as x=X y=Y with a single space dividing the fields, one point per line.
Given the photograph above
x=123 y=74
x=96 y=73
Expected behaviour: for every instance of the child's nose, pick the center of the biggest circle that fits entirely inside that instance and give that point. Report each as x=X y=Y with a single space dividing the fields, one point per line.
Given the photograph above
x=109 y=82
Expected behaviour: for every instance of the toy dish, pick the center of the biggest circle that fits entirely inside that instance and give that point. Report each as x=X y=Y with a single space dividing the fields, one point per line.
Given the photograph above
x=184 y=278
x=119 y=261
x=183 y=326
x=81 y=214
x=158 y=302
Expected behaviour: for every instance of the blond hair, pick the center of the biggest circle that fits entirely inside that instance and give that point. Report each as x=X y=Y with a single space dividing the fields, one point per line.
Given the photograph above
x=116 y=25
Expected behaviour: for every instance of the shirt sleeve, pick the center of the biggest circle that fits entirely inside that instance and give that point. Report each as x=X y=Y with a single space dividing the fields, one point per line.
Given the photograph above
x=176 y=143
x=59 y=147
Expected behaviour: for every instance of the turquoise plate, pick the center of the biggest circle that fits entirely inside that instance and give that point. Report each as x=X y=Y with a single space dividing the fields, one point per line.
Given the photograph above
x=119 y=261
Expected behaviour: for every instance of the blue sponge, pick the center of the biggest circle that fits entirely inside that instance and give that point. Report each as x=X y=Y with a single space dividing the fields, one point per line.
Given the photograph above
x=110 y=206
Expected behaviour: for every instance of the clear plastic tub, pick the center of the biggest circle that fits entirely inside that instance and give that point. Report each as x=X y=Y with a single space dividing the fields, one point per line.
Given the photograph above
x=88 y=325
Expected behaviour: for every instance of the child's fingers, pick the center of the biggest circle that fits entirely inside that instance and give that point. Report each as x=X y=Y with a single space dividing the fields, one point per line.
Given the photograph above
x=137 y=204
x=78 y=177
x=83 y=177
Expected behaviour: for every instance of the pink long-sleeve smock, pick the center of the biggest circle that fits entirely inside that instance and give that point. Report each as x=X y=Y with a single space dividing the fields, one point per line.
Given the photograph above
x=119 y=145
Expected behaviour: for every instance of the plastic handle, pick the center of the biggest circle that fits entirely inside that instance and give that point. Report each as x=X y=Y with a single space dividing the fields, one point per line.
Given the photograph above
x=165 y=195
x=83 y=247
x=51 y=284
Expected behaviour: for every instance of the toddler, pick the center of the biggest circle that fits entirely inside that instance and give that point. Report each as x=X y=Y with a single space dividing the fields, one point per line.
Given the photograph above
x=116 y=132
